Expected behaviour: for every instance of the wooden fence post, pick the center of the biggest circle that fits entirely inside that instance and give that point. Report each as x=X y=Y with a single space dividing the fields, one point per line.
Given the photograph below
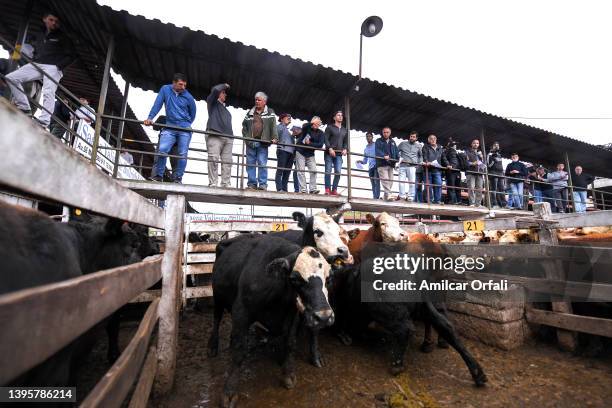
x=554 y=270
x=168 y=306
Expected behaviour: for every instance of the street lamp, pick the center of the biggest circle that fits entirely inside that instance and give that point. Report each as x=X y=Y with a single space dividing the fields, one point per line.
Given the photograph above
x=370 y=27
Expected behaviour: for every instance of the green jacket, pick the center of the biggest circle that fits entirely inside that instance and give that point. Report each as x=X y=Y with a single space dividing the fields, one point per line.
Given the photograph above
x=269 y=125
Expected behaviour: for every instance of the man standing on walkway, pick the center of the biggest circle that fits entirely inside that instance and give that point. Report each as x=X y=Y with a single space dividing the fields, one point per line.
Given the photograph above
x=387 y=155
x=558 y=179
x=285 y=155
x=580 y=183
x=411 y=156
x=435 y=160
x=219 y=147
x=53 y=52
x=336 y=139
x=259 y=124
x=475 y=180
x=496 y=179
x=369 y=159
x=180 y=112
x=517 y=172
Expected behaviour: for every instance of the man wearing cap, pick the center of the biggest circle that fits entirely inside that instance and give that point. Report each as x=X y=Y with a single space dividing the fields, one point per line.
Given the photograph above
x=296 y=131
x=219 y=147
x=259 y=126
x=336 y=142
x=284 y=152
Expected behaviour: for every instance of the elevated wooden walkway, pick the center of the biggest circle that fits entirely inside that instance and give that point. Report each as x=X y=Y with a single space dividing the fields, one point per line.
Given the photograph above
x=220 y=195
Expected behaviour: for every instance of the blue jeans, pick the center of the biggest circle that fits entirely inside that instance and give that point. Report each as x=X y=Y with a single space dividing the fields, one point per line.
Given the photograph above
x=517 y=195
x=284 y=161
x=257 y=155
x=435 y=186
x=373 y=173
x=337 y=164
x=580 y=201
x=167 y=139
x=537 y=196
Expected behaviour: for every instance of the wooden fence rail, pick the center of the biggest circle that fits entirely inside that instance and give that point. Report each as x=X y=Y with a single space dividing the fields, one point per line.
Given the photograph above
x=38 y=322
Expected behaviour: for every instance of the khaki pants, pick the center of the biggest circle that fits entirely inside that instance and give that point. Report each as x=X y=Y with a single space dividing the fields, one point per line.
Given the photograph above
x=386 y=179
x=301 y=163
x=475 y=183
x=219 y=150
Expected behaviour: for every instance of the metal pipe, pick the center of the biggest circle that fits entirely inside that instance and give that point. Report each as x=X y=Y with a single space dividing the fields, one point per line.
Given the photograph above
x=360 y=54
x=21 y=37
x=486 y=162
x=347 y=108
x=124 y=103
x=569 y=182
x=102 y=101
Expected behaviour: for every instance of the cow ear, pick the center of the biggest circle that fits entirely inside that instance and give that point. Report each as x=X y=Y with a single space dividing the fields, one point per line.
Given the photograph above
x=300 y=218
x=114 y=227
x=370 y=218
x=337 y=217
x=354 y=233
x=279 y=268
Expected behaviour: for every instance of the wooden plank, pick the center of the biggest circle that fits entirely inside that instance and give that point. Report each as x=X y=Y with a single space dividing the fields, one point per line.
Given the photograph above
x=570 y=322
x=169 y=305
x=589 y=219
x=116 y=383
x=199 y=292
x=245 y=226
x=37 y=322
x=140 y=396
x=147 y=296
x=200 y=258
x=202 y=247
x=232 y=195
x=61 y=174
x=554 y=271
x=197 y=269
x=498 y=250
x=491 y=224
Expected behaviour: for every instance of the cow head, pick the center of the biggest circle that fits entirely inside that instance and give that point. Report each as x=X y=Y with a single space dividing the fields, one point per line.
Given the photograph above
x=323 y=232
x=307 y=272
x=387 y=227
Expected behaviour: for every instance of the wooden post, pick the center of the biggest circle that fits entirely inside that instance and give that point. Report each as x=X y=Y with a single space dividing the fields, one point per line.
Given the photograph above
x=554 y=270
x=168 y=315
x=102 y=102
x=347 y=108
x=485 y=159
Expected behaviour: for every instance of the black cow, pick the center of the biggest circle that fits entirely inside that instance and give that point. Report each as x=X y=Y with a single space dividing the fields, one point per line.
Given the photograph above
x=396 y=318
x=35 y=250
x=280 y=280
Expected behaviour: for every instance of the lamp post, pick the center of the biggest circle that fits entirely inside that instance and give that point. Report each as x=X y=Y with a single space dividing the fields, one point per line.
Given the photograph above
x=370 y=27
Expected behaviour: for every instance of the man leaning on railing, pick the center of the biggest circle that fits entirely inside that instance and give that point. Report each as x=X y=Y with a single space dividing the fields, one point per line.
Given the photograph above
x=259 y=123
x=580 y=182
x=180 y=112
x=52 y=53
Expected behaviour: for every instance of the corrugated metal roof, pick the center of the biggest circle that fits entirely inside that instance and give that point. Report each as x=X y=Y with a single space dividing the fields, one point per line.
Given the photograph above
x=84 y=76
x=148 y=52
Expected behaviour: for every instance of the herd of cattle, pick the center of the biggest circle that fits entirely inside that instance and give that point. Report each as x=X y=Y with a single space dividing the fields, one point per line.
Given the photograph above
x=308 y=277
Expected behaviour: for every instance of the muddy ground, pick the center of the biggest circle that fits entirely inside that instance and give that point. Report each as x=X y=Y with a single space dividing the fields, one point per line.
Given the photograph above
x=535 y=375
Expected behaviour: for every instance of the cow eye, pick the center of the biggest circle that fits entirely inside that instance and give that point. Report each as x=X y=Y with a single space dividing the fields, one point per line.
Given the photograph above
x=318 y=233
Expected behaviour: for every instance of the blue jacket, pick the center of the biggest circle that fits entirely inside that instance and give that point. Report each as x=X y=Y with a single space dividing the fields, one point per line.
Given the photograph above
x=386 y=149
x=180 y=109
x=285 y=136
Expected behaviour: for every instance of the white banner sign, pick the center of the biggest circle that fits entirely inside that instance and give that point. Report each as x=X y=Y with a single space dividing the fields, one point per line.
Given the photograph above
x=105 y=158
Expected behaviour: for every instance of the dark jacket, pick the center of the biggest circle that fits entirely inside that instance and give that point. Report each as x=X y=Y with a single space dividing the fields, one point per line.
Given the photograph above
x=539 y=184
x=219 y=118
x=494 y=163
x=54 y=48
x=582 y=181
x=335 y=138
x=517 y=165
x=430 y=155
x=452 y=157
x=317 y=139
x=269 y=126
x=473 y=157
x=388 y=148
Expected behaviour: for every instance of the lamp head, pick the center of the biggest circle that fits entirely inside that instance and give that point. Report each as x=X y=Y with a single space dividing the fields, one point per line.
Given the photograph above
x=371 y=26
